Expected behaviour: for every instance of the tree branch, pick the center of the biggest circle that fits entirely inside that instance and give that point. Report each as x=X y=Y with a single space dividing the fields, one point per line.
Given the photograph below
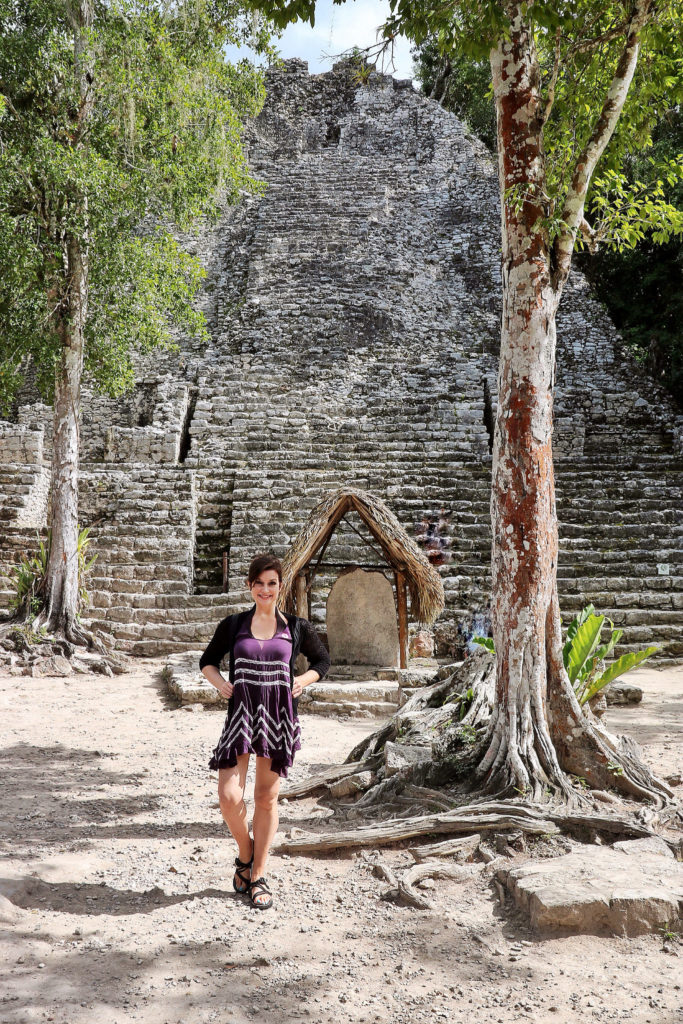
x=591 y=236
x=553 y=79
x=573 y=211
x=586 y=45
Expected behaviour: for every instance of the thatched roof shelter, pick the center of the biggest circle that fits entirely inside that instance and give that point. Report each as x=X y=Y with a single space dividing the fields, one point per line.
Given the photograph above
x=400 y=550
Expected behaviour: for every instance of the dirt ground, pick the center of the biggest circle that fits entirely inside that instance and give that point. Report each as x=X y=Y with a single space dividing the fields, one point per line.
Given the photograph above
x=118 y=905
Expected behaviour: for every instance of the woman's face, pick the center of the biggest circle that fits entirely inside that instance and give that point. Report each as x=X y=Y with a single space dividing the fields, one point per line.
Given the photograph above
x=265 y=590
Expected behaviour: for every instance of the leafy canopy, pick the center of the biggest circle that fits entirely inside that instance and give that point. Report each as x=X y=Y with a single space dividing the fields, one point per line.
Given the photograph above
x=161 y=144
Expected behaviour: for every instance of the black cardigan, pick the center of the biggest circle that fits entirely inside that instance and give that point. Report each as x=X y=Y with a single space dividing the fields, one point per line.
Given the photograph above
x=305 y=640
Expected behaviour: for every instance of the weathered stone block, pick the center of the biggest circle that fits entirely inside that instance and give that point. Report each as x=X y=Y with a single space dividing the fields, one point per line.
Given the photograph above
x=599 y=891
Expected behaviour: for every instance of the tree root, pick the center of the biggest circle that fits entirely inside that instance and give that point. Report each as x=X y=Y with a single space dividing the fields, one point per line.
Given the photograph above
x=461 y=849
x=402 y=889
x=477 y=817
x=394 y=831
x=324 y=779
x=26 y=642
x=584 y=747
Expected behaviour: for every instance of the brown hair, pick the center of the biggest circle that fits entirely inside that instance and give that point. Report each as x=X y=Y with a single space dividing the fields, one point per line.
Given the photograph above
x=262 y=563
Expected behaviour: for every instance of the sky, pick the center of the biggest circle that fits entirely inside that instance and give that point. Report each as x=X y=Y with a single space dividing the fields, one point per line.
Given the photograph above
x=338 y=28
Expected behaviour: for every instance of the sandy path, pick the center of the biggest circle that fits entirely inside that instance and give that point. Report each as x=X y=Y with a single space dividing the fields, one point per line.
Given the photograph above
x=117 y=867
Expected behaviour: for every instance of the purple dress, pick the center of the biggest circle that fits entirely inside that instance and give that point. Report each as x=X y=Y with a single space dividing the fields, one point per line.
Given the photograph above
x=261 y=718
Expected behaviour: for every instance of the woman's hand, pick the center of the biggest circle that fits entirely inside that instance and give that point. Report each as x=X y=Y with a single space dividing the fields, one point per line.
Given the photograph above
x=299 y=682
x=224 y=686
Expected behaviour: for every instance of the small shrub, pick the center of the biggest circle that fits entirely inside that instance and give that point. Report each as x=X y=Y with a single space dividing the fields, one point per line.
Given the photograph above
x=28 y=576
x=584 y=655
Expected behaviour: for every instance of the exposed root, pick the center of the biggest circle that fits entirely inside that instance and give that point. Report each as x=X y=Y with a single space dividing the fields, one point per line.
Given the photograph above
x=476 y=817
x=323 y=780
x=461 y=849
x=402 y=889
x=25 y=643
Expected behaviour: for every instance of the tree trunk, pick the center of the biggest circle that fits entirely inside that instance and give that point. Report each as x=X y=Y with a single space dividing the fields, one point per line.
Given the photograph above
x=62 y=582
x=522 y=754
x=59 y=614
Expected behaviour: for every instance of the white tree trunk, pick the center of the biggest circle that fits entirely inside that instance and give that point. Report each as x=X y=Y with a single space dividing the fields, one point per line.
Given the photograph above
x=62 y=584
x=62 y=581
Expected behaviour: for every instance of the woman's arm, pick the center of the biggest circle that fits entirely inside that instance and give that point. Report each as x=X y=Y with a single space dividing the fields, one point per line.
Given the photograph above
x=316 y=653
x=305 y=679
x=213 y=656
x=223 y=685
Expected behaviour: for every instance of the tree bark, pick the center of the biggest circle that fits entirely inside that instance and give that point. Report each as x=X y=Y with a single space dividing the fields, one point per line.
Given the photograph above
x=59 y=615
x=522 y=753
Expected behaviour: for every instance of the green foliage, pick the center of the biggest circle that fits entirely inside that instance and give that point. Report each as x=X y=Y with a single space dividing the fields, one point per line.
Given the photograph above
x=85 y=564
x=162 y=144
x=28 y=577
x=635 y=202
x=463 y=86
x=584 y=655
x=468 y=733
x=642 y=287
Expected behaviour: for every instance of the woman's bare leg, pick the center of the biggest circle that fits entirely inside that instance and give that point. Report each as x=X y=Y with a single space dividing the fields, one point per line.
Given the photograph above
x=266 y=789
x=231 y=783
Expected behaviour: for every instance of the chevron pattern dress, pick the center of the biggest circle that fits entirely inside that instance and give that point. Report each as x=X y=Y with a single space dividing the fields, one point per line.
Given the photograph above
x=261 y=718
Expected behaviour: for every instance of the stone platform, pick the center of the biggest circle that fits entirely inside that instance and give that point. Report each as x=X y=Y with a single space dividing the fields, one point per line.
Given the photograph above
x=359 y=691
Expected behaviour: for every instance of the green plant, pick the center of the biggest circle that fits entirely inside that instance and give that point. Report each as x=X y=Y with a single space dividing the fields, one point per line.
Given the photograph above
x=465 y=702
x=27 y=577
x=85 y=564
x=468 y=733
x=668 y=933
x=584 y=655
x=362 y=73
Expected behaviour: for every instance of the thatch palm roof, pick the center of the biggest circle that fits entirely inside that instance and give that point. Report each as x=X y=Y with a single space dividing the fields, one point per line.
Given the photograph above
x=401 y=551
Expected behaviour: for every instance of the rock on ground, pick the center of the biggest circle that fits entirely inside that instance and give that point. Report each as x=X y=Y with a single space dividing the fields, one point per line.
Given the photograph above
x=600 y=891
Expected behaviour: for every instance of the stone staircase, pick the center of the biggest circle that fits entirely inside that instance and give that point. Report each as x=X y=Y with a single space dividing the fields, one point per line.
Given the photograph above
x=621 y=533
x=143 y=528
x=23 y=495
x=214 y=524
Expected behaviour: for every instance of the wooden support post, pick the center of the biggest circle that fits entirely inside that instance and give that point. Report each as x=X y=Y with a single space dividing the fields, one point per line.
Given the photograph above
x=402 y=604
x=300 y=597
x=225 y=572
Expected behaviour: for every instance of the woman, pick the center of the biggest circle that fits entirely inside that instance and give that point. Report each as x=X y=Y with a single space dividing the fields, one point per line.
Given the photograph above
x=262 y=691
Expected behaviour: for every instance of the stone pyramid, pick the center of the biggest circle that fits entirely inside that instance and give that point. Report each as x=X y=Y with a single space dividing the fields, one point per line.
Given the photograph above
x=354 y=313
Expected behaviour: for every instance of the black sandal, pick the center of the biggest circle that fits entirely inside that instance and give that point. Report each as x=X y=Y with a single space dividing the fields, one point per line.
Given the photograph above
x=259 y=887
x=240 y=866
